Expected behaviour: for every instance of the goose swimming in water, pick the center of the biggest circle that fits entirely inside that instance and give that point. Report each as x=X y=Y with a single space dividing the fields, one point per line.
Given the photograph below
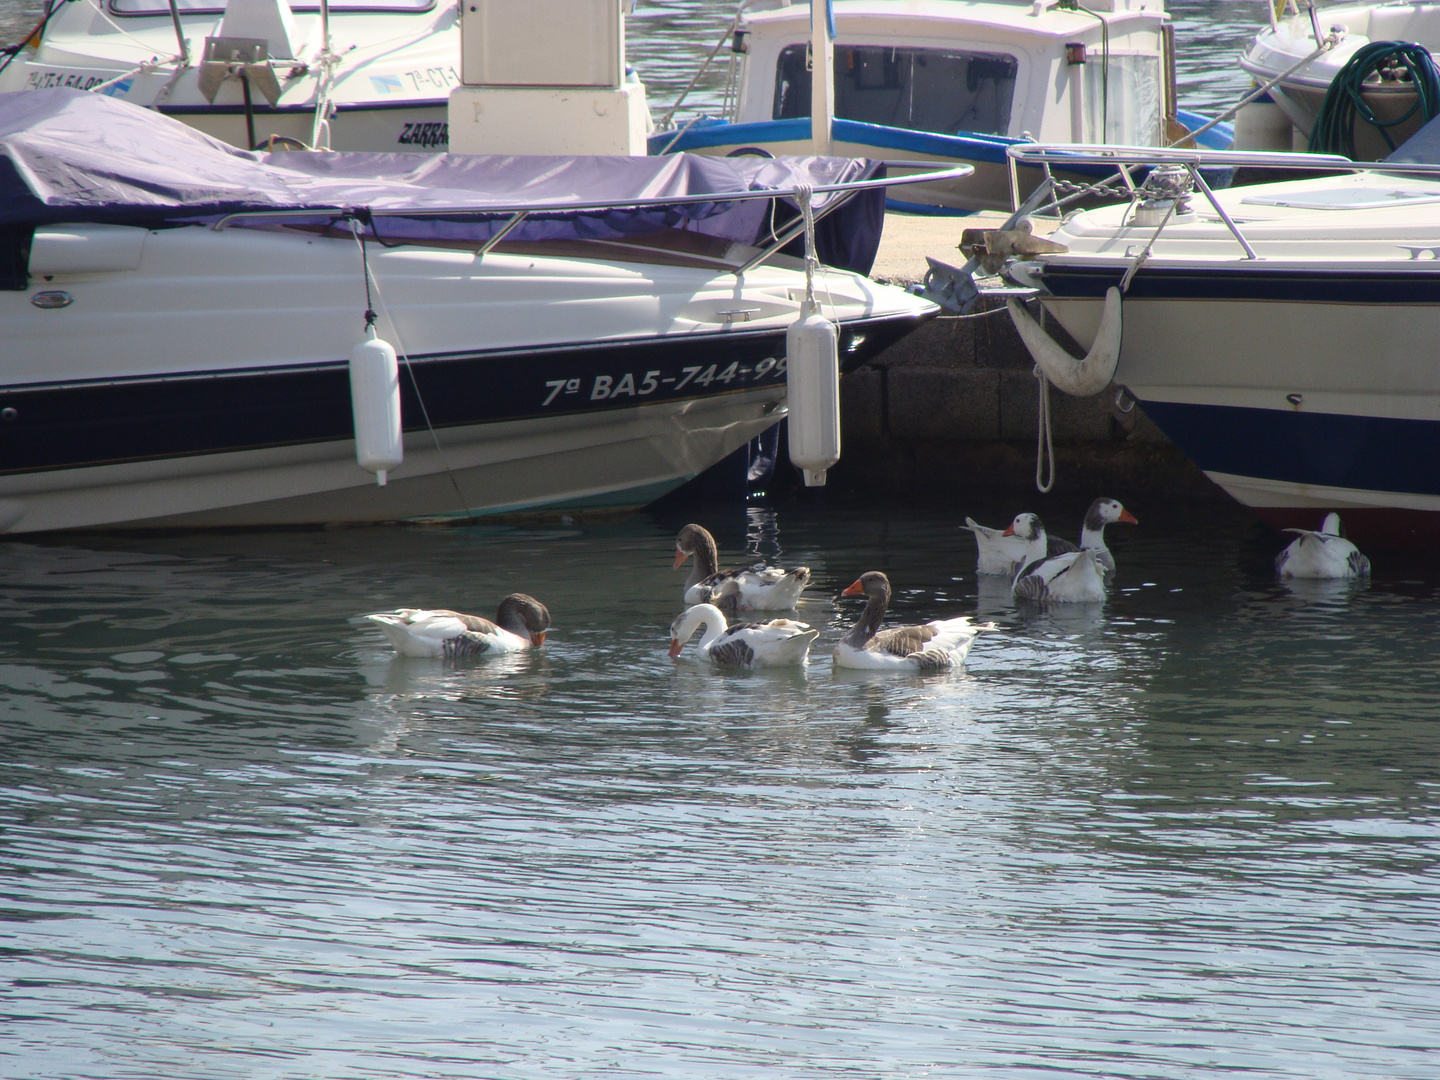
x=1004 y=551
x=1071 y=577
x=1103 y=512
x=1324 y=553
x=760 y=590
x=777 y=643
x=924 y=648
x=521 y=622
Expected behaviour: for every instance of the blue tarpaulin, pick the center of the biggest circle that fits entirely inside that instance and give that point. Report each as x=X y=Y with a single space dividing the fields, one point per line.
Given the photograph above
x=70 y=156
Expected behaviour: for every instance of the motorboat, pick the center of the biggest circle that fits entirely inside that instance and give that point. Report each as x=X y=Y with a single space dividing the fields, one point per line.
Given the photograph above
x=945 y=81
x=182 y=321
x=370 y=75
x=1281 y=334
x=1376 y=55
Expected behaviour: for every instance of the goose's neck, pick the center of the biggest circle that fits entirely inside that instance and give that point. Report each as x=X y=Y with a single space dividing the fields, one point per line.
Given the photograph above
x=707 y=561
x=1092 y=537
x=712 y=619
x=869 y=622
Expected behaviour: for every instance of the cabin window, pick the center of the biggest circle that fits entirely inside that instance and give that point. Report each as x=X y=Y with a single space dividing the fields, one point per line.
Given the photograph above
x=1124 y=104
x=946 y=91
x=217 y=7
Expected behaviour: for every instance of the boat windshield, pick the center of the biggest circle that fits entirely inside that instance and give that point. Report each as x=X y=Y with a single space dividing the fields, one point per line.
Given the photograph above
x=946 y=91
x=217 y=7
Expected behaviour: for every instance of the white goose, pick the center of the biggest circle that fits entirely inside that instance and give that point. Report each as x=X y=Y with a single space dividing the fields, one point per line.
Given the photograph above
x=1000 y=551
x=1324 y=553
x=520 y=623
x=925 y=648
x=760 y=590
x=1071 y=577
x=777 y=643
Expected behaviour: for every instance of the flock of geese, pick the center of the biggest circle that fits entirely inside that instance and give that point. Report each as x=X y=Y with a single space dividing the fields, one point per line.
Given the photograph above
x=1041 y=567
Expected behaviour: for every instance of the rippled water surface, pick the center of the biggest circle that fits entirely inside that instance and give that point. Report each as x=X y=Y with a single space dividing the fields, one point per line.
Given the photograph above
x=1191 y=832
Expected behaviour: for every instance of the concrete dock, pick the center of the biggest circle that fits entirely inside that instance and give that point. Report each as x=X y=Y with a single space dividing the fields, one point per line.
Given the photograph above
x=954 y=406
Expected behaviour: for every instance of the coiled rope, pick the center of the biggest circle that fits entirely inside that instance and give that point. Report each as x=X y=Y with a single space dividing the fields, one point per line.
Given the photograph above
x=1344 y=104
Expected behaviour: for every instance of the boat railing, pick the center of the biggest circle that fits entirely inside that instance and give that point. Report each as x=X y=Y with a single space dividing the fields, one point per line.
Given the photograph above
x=516 y=213
x=1129 y=160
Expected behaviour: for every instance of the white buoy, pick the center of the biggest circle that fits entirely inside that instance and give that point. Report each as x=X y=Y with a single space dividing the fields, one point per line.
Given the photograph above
x=375 y=403
x=812 y=381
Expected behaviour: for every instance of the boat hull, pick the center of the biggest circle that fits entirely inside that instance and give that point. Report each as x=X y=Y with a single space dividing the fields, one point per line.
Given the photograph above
x=201 y=377
x=1296 y=390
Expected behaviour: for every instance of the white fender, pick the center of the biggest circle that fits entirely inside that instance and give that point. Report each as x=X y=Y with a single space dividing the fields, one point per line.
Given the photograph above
x=812 y=381
x=375 y=402
x=1079 y=377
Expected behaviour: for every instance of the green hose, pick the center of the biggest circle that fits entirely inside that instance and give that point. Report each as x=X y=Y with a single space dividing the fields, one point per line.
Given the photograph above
x=1334 y=130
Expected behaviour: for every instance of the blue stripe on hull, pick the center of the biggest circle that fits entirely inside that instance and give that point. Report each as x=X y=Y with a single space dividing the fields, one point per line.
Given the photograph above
x=1329 y=450
x=77 y=425
x=1348 y=286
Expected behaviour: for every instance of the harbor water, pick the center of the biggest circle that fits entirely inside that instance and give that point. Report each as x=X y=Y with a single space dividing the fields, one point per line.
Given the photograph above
x=1190 y=832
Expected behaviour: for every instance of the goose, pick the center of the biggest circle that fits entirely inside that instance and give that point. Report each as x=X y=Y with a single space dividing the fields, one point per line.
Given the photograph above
x=1038 y=543
x=1070 y=577
x=1102 y=512
x=926 y=648
x=760 y=590
x=777 y=643
x=999 y=551
x=1324 y=553
x=520 y=623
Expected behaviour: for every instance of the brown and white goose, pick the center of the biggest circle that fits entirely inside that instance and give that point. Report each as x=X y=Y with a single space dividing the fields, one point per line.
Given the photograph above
x=521 y=622
x=924 y=648
x=760 y=589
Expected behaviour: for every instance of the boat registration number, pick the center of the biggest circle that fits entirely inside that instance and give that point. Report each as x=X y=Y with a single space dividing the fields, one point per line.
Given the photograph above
x=642 y=384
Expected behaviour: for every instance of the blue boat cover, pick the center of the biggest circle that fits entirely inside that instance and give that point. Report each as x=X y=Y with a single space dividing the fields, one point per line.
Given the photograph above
x=71 y=156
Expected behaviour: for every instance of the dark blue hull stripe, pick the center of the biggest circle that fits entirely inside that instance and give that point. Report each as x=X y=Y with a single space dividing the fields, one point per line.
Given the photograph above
x=266 y=109
x=1361 y=452
x=1348 y=286
x=79 y=424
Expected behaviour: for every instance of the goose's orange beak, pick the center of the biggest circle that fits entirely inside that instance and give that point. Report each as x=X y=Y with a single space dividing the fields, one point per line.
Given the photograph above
x=680 y=557
x=538 y=639
x=854 y=589
x=1009 y=531
x=675 y=647
x=1125 y=515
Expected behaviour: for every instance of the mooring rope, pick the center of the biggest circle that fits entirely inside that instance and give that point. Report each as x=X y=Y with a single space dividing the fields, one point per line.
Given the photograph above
x=357 y=226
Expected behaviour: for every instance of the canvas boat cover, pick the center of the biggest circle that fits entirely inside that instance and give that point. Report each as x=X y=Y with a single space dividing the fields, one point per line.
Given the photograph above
x=71 y=156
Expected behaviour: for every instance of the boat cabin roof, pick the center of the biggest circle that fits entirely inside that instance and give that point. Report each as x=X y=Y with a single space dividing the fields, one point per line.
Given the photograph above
x=951 y=20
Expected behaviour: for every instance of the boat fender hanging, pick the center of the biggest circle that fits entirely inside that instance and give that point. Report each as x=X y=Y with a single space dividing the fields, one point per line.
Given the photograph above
x=375 y=403
x=812 y=382
x=1079 y=377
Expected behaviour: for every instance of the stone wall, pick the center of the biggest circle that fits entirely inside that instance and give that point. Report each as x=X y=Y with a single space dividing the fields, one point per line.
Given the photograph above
x=954 y=407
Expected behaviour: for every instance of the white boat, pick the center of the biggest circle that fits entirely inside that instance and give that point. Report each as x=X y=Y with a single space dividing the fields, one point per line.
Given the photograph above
x=178 y=318
x=1305 y=49
x=1282 y=334
x=947 y=81
x=371 y=75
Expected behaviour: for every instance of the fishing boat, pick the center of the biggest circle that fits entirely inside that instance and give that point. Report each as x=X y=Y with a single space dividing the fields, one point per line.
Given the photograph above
x=185 y=323
x=370 y=75
x=945 y=81
x=1375 y=56
x=1281 y=334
